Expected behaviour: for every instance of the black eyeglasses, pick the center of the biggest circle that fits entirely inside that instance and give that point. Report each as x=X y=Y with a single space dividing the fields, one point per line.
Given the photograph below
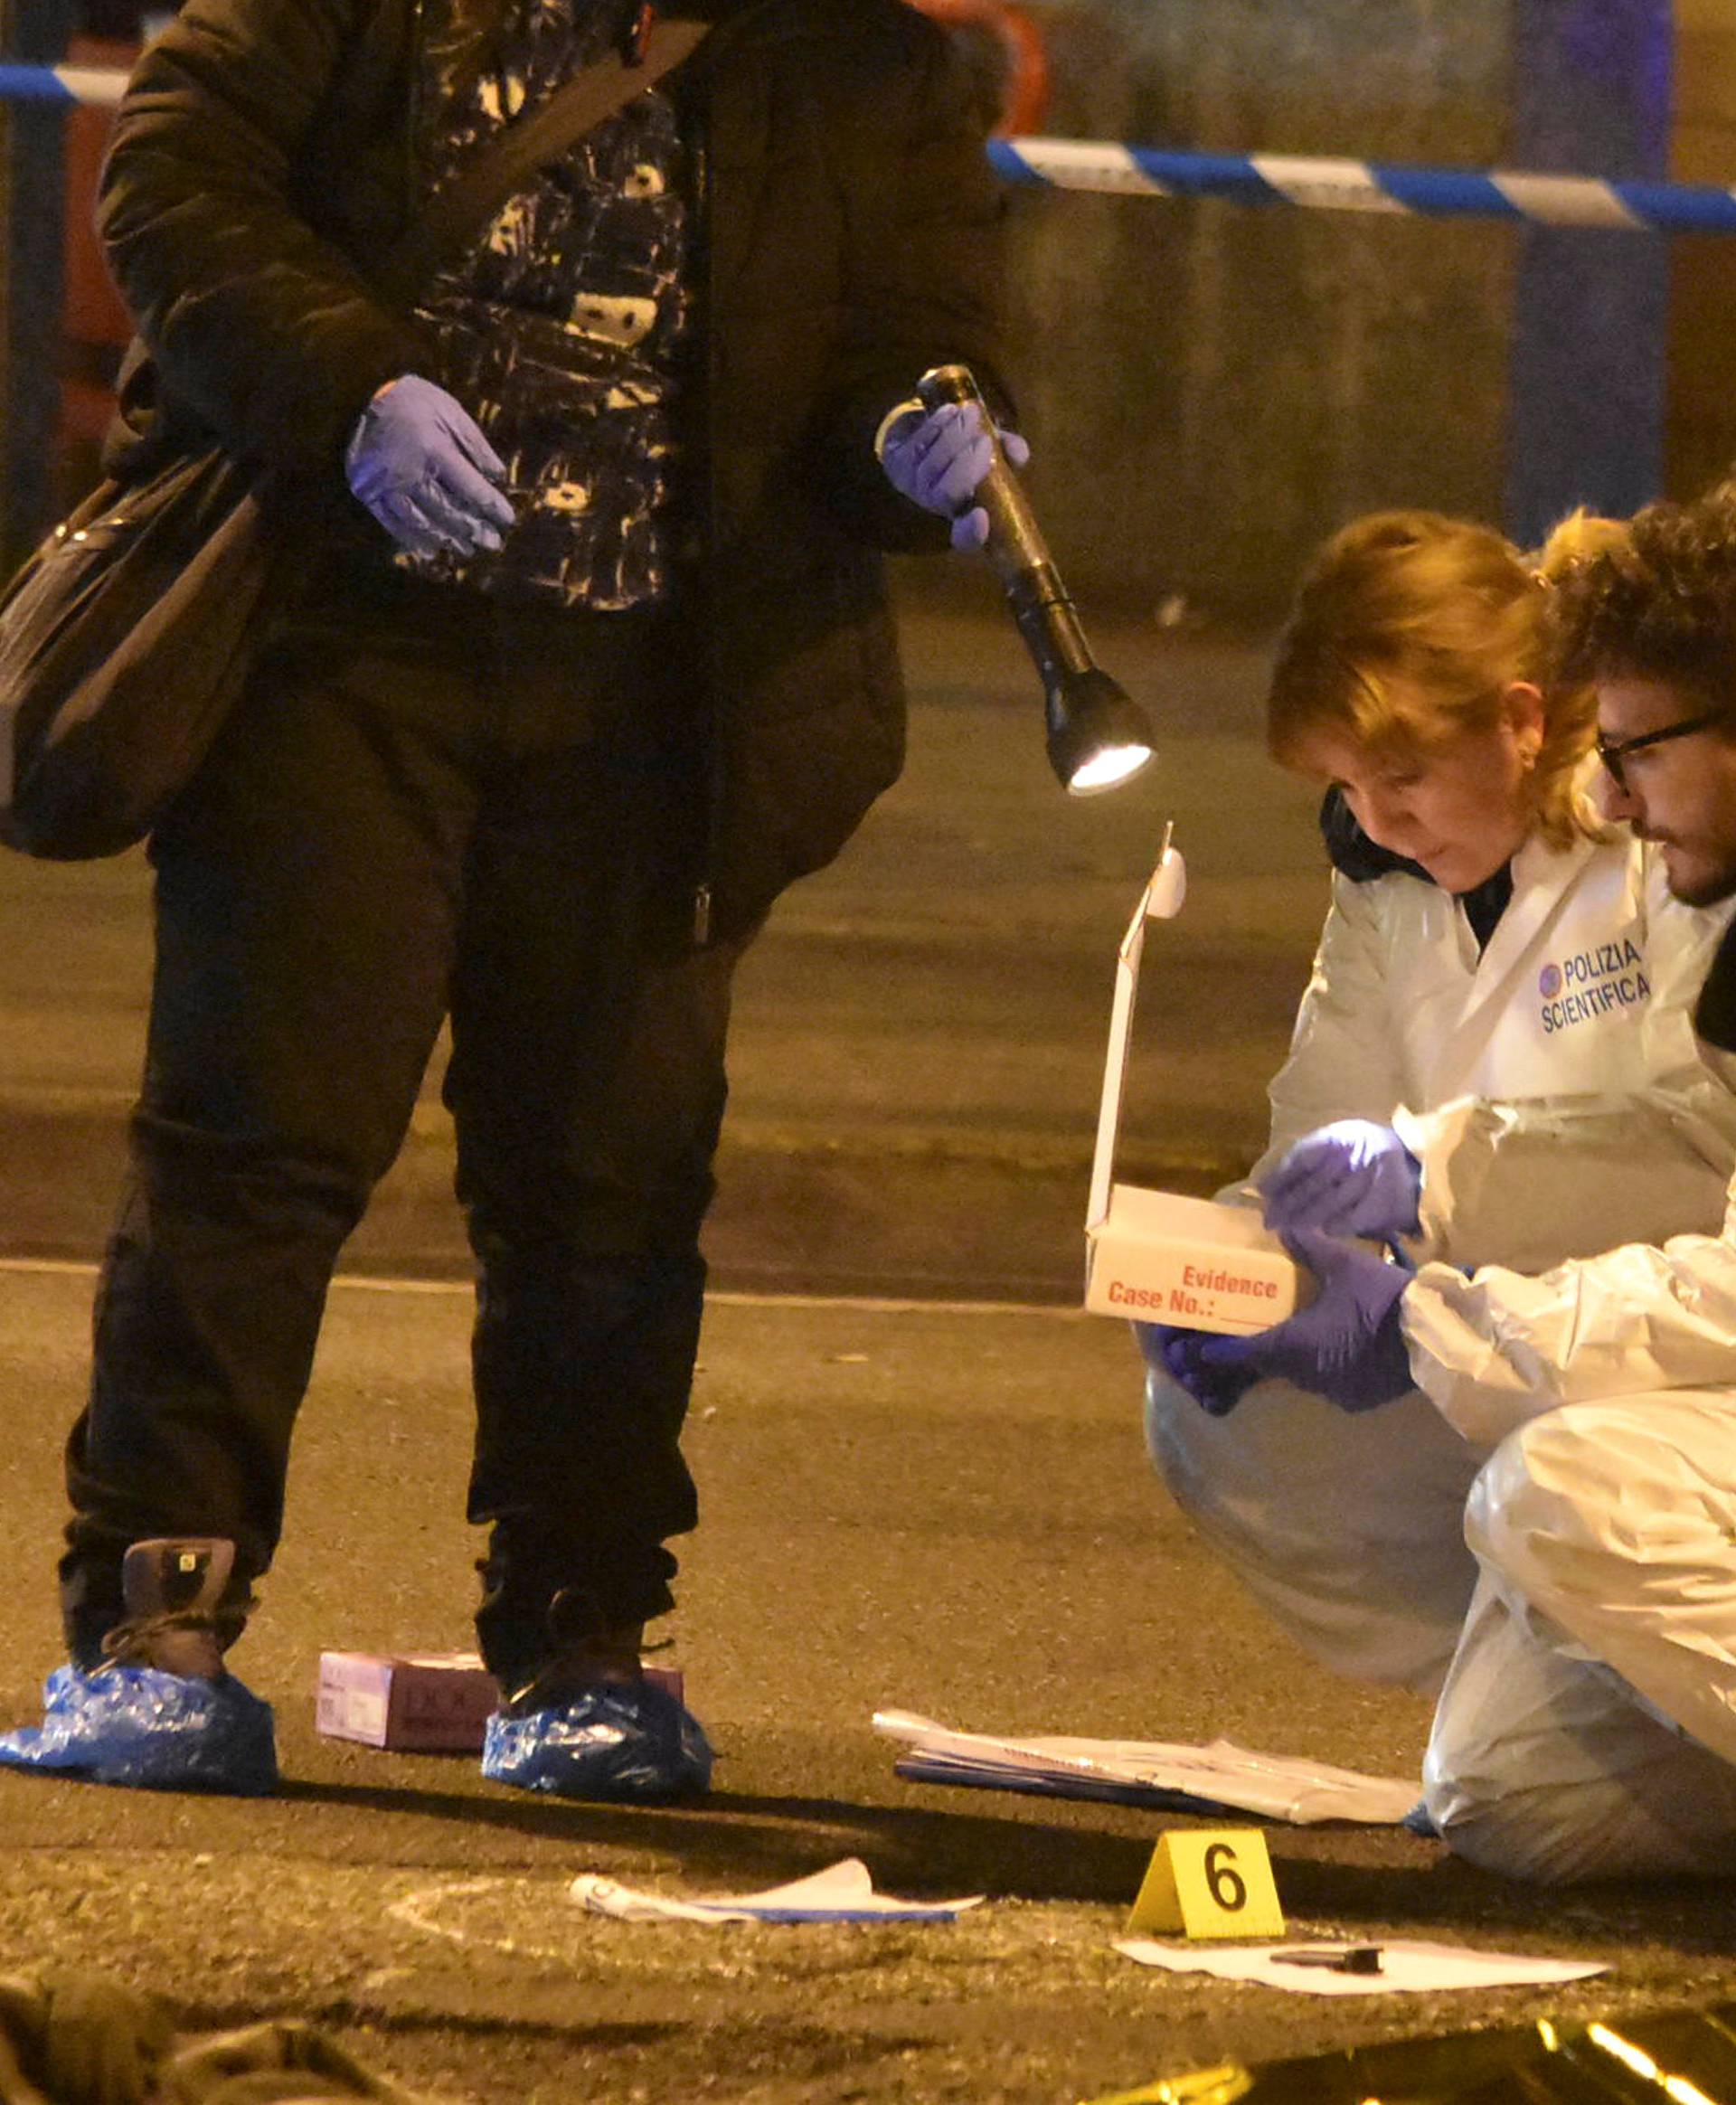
x=1614 y=751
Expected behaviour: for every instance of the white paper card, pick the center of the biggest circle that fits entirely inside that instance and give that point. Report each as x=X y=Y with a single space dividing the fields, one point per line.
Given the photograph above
x=1407 y=1968
x=1278 y=1786
x=842 y=1892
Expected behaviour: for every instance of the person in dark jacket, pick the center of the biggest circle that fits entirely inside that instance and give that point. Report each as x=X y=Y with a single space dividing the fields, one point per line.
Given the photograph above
x=589 y=657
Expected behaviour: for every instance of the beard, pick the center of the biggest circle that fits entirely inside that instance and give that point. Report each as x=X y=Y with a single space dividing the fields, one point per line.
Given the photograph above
x=1702 y=886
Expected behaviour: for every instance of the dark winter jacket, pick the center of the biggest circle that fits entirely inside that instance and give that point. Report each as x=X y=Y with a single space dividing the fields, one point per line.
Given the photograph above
x=265 y=157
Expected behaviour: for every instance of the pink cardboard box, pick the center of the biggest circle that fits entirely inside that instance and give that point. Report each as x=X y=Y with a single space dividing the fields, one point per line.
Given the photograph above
x=430 y=1703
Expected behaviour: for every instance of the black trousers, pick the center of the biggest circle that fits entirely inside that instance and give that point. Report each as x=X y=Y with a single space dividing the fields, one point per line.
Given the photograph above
x=428 y=804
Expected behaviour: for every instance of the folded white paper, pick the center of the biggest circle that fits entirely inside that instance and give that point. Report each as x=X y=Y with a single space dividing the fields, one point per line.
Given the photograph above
x=1406 y=1967
x=1276 y=1786
x=842 y=1892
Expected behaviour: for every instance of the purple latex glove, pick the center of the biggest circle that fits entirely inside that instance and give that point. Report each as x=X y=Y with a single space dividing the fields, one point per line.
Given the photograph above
x=1153 y=1339
x=418 y=462
x=1352 y=1177
x=1163 y=1347
x=937 y=460
x=1216 y=1389
x=1346 y=1344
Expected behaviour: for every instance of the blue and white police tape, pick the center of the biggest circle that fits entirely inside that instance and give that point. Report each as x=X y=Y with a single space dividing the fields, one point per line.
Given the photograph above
x=1379 y=186
x=101 y=87
x=1319 y=184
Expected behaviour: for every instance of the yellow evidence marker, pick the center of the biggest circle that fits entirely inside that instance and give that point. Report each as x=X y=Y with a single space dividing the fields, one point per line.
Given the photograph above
x=1209 y=1881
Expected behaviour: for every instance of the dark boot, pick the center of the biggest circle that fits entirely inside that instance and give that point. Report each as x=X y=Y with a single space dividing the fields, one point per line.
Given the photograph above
x=604 y=1658
x=587 y=1724
x=161 y=1712
x=173 y=1590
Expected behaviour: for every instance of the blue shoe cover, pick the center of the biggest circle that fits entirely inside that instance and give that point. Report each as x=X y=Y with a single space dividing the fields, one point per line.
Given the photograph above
x=133 y=1726
x=616 y=1740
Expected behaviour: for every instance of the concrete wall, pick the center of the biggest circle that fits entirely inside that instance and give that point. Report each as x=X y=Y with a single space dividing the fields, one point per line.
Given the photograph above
x=1214 y=388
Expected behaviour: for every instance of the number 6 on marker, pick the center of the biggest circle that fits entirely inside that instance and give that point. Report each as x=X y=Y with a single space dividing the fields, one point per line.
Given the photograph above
x=1228 y=1888
x=1209 y=1881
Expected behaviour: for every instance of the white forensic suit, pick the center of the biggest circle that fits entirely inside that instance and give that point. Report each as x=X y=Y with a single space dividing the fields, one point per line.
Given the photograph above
x=1588 y=1726
x=1553 y=1089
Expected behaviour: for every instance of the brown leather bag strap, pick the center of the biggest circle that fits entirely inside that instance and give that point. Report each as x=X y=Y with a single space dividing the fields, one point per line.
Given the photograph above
x=462 y=212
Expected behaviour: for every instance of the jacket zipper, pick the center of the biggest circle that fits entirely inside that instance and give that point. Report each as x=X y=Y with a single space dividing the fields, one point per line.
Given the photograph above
x=713 y=700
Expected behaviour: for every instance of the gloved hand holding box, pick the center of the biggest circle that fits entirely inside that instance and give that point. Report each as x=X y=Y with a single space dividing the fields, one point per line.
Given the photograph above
x=1157 y=1257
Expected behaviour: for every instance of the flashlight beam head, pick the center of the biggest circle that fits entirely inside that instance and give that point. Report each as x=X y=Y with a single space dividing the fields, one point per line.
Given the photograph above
x=1098 y=736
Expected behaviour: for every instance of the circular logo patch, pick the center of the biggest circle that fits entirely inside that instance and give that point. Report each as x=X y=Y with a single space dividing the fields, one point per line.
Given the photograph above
x=1548 y=982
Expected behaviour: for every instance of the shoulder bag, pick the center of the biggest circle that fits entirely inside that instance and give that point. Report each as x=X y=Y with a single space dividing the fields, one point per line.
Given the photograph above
x=125 y=638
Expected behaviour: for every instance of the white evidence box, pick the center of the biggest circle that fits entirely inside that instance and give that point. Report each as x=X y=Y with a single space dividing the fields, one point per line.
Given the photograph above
x=430 y=1703
x=1159 y=1257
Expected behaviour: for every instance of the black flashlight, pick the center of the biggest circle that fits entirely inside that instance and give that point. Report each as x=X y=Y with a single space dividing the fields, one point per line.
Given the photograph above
x=1098 y=736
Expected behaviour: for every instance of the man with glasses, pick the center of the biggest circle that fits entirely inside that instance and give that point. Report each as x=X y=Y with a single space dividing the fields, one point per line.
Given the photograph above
x=1614 y=751
x=1588 y=1726
x=1692 y=786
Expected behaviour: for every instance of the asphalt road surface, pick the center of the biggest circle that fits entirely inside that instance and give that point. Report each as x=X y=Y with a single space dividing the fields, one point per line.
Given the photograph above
x=936 y=1501
x=940 y=1509
x=919 y=1040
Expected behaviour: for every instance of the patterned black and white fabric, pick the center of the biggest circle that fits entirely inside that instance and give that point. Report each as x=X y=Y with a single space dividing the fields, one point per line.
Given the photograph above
x=563 y=333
